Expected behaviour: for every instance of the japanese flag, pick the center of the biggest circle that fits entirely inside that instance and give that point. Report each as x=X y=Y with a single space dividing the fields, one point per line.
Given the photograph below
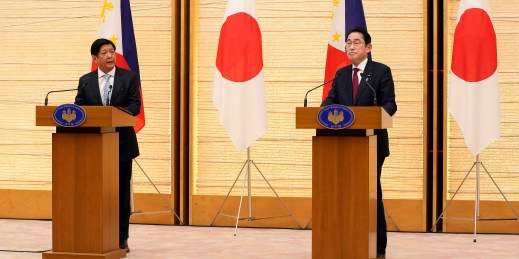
x=239 y=84
x=474 y=90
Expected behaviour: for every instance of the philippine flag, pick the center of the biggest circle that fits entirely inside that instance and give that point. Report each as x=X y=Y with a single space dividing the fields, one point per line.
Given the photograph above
x=474 y=92
x=117 y=25
x=346 y=15
x=239 y=84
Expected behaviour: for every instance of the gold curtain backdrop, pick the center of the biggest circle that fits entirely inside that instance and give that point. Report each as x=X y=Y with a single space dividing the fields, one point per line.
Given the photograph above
x=46 y=46
x=294 y=51
x=500 y=157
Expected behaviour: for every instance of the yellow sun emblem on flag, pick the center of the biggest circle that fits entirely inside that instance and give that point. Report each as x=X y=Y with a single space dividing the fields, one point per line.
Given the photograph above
x=106 y=6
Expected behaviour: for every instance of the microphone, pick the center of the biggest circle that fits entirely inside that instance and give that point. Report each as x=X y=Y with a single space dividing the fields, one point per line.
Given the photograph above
x=368 y=77
x=108 y=95
x=306 y=95
x=66 y=90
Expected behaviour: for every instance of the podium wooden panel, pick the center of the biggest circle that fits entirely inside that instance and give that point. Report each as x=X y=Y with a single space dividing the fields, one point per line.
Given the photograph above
x=366 y=117
x=344 y=183
x=85 y=184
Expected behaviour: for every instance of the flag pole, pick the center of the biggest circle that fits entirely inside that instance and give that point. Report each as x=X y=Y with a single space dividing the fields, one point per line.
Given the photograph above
x=476 y=204
x=249 y=187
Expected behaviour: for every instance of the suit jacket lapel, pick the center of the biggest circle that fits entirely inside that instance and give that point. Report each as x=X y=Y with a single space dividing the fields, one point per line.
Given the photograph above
x=118 y=84
x=362 y=81
x=349 y=86
x=94 y=83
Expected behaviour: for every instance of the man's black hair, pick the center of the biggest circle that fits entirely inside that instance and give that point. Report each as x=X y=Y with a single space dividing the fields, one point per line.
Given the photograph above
x=97 y=44
x=364 y=32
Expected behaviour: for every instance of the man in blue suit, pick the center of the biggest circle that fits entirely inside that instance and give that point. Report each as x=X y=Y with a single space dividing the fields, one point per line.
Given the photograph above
x=351 y=89
x=114 y=86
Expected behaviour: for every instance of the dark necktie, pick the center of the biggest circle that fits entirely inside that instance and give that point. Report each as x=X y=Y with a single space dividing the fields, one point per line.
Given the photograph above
x=355 y=82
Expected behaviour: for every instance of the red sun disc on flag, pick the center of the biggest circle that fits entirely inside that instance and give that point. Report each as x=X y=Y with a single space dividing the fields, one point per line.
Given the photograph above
x=240 y=56
x=474 y=54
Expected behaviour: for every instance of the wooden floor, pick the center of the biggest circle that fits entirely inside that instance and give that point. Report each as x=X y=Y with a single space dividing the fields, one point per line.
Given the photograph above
x=155 y=241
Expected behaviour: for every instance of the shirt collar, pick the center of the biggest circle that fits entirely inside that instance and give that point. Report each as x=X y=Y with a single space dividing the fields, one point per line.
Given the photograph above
x=101 y=73
x=362 y=65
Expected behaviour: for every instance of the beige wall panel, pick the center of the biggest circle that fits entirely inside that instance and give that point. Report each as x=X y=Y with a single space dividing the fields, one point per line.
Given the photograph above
x=499 y=158
x=45 y=46
x=464 y=209
x=294 y=50
x=37 y=204
x=404 y=215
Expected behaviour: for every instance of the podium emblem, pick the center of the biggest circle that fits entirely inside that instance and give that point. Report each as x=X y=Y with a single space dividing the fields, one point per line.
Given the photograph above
x=69 y=115
x=336 y=116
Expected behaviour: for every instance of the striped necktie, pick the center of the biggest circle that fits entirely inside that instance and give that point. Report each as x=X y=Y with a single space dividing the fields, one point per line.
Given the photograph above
x=355 y=82
x=107 y=90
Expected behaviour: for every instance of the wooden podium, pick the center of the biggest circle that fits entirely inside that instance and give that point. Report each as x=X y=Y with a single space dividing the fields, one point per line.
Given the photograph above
x=85 y=183
x=344 y=183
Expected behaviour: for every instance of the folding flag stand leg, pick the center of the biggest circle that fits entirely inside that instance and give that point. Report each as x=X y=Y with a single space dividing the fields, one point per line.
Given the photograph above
x=476 y=164
x=247 y=178
x=171 y=210
x=388 y=218
x=308 y=224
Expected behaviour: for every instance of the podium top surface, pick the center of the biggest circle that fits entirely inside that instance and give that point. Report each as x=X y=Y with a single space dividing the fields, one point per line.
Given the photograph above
x=96 y=116
x=366 y=117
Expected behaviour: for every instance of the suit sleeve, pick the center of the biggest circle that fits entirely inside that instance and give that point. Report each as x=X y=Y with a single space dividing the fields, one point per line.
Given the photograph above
x=387 y=92
x=80 y=96
x=332 y=97
x=133 y=100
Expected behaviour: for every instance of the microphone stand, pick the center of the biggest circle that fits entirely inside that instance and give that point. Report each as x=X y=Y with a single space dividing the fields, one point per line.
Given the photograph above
x=306 y=95
x=108 y=95
x=66 y=90
x=56 y=91
x=371 y=87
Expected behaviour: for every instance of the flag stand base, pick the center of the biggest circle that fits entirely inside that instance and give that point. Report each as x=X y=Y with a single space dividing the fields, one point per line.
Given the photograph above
x=476 y=218
x=247 y=178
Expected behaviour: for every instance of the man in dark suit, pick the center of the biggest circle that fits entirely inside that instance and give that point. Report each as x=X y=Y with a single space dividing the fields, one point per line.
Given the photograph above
x=350 y=88
x=114 y=86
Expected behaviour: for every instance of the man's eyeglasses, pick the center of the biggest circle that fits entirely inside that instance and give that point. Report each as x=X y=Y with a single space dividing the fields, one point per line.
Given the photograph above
x=105 y=53
x=354 y=43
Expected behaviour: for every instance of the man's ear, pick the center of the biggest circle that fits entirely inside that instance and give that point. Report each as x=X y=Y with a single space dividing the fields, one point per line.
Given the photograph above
x=94 y=58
